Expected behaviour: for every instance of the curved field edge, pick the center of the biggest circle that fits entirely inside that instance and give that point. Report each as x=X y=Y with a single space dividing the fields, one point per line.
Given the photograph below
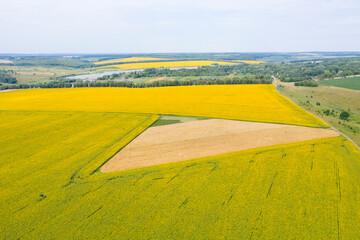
x=321 y=123
x=259 y=210
x=258 y=103
x=90 y=170
x=88 y=176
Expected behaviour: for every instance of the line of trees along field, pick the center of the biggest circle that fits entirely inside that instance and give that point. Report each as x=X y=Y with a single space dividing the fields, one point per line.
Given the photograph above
x=301 y=72
x=286 y=72
x=45 y=61
x=135 y=85
x=295 y=72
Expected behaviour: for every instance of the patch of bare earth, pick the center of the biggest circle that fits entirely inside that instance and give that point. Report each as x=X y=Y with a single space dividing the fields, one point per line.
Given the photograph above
x=10 y=90
x=155 y=80
x=184 y=141
x=3 y=61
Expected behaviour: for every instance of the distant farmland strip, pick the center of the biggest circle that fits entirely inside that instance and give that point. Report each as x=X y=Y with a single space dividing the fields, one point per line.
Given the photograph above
x=155 y=80
x=167 y=64
x=131 y=59
x=351 y=82
x=5 y=61
x=249 y=61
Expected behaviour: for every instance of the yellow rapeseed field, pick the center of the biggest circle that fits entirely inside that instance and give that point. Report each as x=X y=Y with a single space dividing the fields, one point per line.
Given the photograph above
x=130 y=59
x=168 y=64
x=50 y=188
x=259 y=103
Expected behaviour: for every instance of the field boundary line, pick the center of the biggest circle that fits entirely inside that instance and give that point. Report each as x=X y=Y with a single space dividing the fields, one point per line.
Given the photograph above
x=332 y=127
x=88 y=172
x=138 y=172
x=300 y=108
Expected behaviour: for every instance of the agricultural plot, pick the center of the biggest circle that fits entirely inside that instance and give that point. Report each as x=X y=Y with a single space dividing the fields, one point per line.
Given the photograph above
x=130 y=59
x=53 y=143
x=328 y=102
x=166 y=64
x=307 y=189
x=249 y=61
x=5 y=61
x=39 y=74
x=351 y=82
x=155 y=80
x=259 y=103
x=33 y=77
x=196 y=139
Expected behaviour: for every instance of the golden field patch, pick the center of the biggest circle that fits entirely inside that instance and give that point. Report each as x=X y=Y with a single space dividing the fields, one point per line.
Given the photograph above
x=260 y=103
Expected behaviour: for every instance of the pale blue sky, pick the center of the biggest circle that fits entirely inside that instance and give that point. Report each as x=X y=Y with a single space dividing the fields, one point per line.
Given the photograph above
x=148 y=26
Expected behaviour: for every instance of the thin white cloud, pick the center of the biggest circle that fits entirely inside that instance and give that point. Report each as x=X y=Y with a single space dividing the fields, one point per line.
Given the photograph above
x=178 y=25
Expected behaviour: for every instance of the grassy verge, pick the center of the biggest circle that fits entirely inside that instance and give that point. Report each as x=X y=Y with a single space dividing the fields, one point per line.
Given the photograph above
x=328 y=103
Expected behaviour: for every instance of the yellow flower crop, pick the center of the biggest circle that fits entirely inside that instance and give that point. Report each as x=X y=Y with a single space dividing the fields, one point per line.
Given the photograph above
x=53 y=141
x=168 y=64
x=131 y=59
x=259 y=103
x=49 y=190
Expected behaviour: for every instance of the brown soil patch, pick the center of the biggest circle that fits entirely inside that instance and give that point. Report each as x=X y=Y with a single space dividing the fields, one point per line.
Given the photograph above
x=10 y=90
x=183 y=141
x=155 y=79
x=5 y=61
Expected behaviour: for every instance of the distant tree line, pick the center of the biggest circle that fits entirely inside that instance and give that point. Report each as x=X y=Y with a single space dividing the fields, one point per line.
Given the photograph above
x=301 y=72
x=47 y=61
x=317 y=70
x=196 y=72
x=135 y=85
x=241 y=70
x=286 y=72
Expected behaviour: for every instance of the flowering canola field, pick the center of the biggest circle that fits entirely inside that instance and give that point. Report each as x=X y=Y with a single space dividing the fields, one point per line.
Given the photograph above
x=260 y=103
x=130 y=59
x=53 y=141
x=50 y=188
x=142 y=65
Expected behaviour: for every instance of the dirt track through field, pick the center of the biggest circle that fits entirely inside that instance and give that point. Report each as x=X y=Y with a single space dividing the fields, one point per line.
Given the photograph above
x=155 y=80
x=184 y=141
